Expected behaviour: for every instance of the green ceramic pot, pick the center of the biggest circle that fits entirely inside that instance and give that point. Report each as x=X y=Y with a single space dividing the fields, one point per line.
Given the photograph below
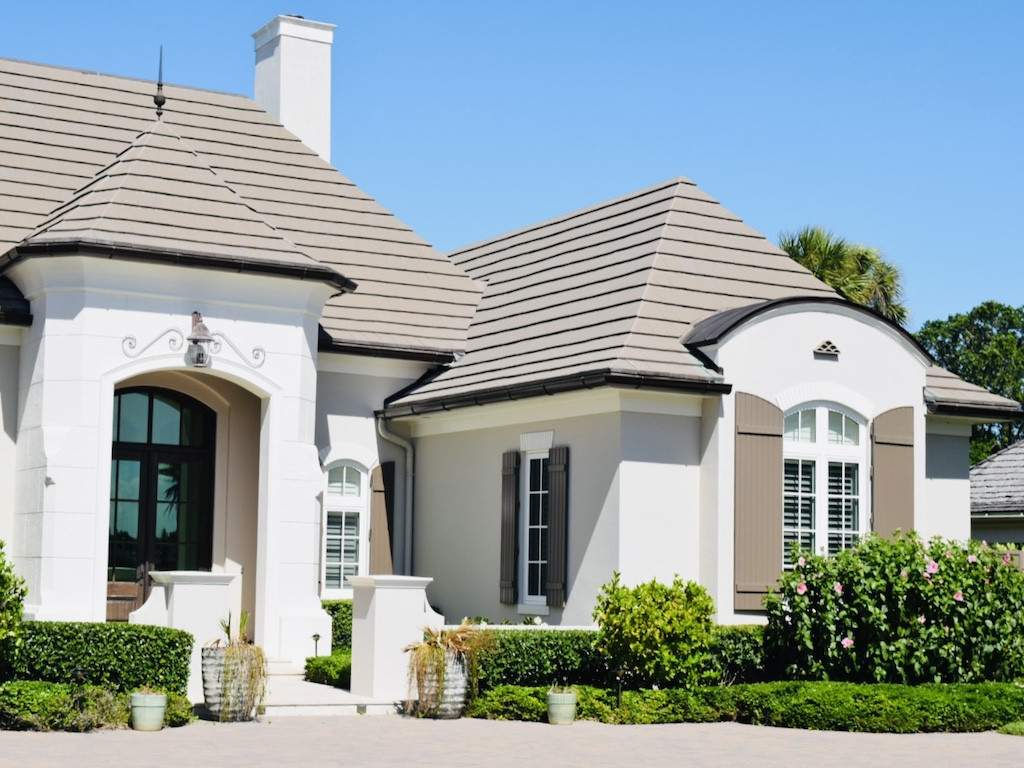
x=148 y=711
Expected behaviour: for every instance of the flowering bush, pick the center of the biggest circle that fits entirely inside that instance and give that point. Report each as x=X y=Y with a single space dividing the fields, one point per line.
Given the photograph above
x=899 y=610
x=656 y=634
x=12 y=595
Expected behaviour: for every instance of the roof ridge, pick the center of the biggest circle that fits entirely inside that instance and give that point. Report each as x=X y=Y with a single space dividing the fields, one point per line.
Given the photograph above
x=675 y=181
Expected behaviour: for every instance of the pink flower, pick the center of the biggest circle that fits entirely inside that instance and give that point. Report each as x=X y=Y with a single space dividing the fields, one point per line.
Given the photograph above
x=801 y=588
x=958 y=596
x=932 y=567
x=1006 y=558
x=920 y=619
x=801 y=562
x=927 y=575
x=972 y=558
x=838 y=588
x=847 y=643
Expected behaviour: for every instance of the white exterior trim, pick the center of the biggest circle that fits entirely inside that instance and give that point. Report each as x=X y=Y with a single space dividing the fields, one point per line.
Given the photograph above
x=11 y=336
x=382 y=367
x=549 y=407
x=536 y=441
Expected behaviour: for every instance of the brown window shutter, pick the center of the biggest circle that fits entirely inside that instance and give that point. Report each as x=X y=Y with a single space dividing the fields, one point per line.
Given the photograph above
x=509 y=527
x=758 y=500
x=380 y=534
x=892 y=471
x=558 y=524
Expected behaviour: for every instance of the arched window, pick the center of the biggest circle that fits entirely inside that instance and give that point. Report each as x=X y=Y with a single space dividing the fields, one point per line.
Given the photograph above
x=345 y=540
x=824 y=479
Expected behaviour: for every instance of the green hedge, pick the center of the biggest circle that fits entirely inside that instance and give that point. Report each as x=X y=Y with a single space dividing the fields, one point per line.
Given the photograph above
x=120 y=657
x=335 y=669
x=34 y=705
x=568 y=657
x=877 y=708
x=341 y=622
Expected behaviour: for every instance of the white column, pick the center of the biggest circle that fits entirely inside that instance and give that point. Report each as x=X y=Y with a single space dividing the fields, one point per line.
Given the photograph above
x=388 y=613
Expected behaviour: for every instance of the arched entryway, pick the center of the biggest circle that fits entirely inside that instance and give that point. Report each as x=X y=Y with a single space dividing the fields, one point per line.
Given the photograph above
x=161 y=491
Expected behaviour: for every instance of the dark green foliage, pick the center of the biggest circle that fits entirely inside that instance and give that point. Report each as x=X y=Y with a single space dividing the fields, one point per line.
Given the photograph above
x=737 y=654
x=880 y=708
x=985 y=347
x=810 y=705
x=121 y=657
x=42 y=706
x=656 y=634
x=335 y=669
x=341 y=622
x=540 y=657
x=900 y=611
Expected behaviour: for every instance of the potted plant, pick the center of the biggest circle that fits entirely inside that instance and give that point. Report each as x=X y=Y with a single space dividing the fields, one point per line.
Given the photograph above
x=439 y=668
x=234 y=674
x=561 y=705
x=148 y=707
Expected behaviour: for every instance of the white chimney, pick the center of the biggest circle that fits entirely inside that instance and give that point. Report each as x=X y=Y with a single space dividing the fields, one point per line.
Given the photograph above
x=293 y=77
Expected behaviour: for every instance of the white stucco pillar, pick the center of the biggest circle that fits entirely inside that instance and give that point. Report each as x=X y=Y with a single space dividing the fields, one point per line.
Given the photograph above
x=388 y=613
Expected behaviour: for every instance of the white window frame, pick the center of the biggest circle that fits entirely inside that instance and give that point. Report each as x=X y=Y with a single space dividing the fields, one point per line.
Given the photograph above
x=821 y=452
x=336 y=504
x=529 y=604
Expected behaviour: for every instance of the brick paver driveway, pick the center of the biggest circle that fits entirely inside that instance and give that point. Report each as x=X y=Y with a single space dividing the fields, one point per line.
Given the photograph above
x=394 y=741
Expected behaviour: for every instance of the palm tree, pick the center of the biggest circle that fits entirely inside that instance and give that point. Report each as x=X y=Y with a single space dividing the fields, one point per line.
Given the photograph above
x=858 y=272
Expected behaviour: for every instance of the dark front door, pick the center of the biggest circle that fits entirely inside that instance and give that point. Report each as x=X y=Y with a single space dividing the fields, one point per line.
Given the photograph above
x=161 y=492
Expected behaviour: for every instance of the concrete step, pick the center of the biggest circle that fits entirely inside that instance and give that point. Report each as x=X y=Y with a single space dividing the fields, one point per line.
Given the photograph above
x=292 y=696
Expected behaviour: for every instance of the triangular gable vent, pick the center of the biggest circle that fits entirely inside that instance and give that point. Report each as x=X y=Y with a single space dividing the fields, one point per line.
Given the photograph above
x=827 y=349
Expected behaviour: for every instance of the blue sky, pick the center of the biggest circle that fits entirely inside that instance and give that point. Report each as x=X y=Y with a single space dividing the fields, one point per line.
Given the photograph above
x=900 y=125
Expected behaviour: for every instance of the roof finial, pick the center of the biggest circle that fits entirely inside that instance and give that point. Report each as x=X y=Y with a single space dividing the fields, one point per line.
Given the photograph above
x=159 y=99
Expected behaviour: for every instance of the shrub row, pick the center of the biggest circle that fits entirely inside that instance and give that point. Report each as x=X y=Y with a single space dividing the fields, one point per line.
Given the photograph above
x=340 y=612
x=41 y=706
x=119 y=657
x=571 y=657
x=877 y=708
x=335 y=669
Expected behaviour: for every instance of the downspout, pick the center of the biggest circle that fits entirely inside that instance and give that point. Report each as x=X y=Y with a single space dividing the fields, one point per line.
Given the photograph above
x=410 y=458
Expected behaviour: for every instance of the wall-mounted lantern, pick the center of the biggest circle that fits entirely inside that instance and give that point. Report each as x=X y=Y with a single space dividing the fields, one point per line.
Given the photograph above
x=199 y=341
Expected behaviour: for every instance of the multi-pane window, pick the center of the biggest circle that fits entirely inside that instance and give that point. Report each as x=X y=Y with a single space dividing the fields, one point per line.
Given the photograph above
x=535 y=530
x=843 y=505
x=797 y=507
x=345 y=503
x=823 y=481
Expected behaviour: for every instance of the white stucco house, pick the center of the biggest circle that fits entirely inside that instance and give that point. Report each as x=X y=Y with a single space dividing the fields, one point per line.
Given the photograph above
x=223 y=366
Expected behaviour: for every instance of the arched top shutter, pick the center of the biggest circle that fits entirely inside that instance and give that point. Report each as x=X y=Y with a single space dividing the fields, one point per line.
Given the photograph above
x=757 y=501
x=892 y=471
x=509 y=555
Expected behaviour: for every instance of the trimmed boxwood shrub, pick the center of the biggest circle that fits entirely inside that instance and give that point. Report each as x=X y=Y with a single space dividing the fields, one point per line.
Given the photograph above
x=877 y=708
x=335 y=669
x=120 y=657
x=540 y=657
x=42 y=706
x=340 y=612
x=900 y=611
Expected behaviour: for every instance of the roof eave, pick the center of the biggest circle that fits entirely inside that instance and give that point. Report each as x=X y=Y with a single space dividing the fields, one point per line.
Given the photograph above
x=575 y=382
x=29 y=249
x=395 y=352
x=975 y=411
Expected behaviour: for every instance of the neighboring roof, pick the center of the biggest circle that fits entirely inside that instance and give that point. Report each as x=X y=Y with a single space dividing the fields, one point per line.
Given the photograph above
x=158 y=200
x=997 y=483
x=712 y=329
x=612 y=288
x=60 y=127
x=947 y=393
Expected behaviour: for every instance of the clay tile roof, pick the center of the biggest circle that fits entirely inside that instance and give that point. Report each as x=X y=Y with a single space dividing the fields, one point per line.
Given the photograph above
x=60 y=128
